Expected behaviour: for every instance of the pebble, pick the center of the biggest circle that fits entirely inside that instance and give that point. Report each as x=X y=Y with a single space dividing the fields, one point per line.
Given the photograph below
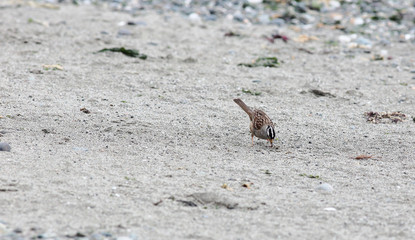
x=300 y=7
x=124 y=32
x=344 y=39
x=324 y=187
x=195 y=18
x=134 y=23
x=334 y=4
x=331 y=209
x=371 y=19
x=123 y=238
x=47 y=235
x=96 y=236
x=5 y=147
x=264 y=19
x=254 y=1
x=238 y=16
x=278 y=21
x=210 y=17
x=106 y=234
x=336 y=16
x=358 y=21
x=364 y=41
x=3 y=229
x=307 y=19
x=383 y=53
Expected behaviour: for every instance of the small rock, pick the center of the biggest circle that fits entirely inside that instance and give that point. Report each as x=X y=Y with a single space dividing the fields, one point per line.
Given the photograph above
x=344 y=39
x=334 y=4
x=78 y=235
x=46 y=131
x=264 y=19
x=364 y=41
x=3 y=229
x=337 y=17
x=4 y=147
x=238 y=16
x=300 y=7
x=124 y=32
x=210 y=17
x=47 y=235
x=124 y=238
x=195 y=18
x=122 y=23
x=331 y=209
x=307 y=19
x=96 y=236
x=106 y=234
x=383 y=53
x=278 y=21
x=324 y=187
x=133 y=23
x=84 y=110
x=358 y=21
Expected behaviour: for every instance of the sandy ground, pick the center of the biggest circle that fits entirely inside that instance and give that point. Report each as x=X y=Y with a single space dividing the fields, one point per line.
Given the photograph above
x=163 y=135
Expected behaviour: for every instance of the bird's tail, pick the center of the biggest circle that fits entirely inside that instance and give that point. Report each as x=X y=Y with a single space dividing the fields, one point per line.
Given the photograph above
x=244 y=107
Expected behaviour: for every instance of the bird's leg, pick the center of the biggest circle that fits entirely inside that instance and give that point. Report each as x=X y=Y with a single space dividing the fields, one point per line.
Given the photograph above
x=252 y=136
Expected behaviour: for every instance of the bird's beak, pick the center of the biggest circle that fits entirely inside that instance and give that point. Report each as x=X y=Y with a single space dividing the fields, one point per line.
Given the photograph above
x=270 y=140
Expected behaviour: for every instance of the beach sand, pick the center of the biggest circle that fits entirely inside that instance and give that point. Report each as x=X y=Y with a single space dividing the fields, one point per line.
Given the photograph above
x=160 y=150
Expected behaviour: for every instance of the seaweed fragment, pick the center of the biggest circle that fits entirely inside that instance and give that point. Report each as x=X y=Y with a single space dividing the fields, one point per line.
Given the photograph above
x=310 y=176
x=232 y=34
x=251 y=92
x=262 y=62
x=128 y=52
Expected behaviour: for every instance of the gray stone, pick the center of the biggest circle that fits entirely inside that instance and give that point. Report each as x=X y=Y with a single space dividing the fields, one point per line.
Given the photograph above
x=4 y=147
x=238 y=16
x=124 y=32
x=124 y=238
x=364 y=41
x=307 y=19
x=210 y=17
x=278 y=21
x=264 y=19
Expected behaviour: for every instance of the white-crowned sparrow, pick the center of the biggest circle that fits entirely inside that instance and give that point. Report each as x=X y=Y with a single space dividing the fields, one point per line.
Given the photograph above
x=261 y=125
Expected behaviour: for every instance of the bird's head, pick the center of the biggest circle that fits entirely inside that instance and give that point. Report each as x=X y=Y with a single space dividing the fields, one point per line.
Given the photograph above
x=270 y=134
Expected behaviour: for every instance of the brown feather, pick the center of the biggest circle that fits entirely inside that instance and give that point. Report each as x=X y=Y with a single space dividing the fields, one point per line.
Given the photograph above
x=261 y=119
x=244 y=107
